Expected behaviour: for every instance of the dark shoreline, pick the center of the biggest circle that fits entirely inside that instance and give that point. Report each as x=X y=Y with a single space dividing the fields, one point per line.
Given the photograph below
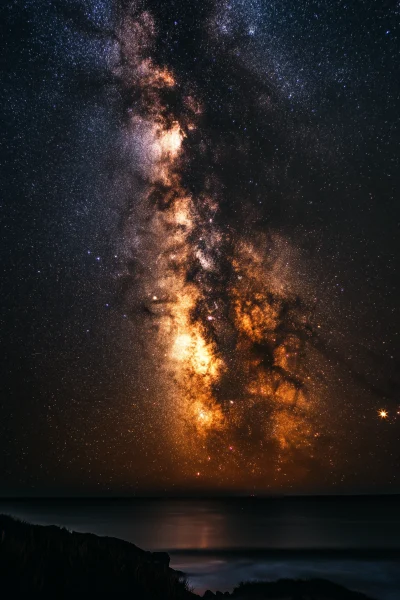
x=49 y=561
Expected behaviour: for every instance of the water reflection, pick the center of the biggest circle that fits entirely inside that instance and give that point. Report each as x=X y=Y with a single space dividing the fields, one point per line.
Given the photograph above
x=286 y=524
x=355 y=542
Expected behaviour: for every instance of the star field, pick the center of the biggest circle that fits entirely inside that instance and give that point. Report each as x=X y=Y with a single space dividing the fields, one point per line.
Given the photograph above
x=200 y=246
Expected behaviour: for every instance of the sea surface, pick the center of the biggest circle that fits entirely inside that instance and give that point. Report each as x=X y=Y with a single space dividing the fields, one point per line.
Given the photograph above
x=354 y=541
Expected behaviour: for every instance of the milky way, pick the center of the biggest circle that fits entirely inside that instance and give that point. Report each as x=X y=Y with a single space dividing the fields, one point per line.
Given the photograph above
x=200 y=283
x=224 y=318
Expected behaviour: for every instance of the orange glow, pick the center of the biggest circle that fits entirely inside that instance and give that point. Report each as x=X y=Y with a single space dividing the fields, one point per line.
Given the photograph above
x=224 y=365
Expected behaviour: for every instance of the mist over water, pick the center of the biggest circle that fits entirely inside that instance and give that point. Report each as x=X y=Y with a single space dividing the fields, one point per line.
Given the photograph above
x=218 y=543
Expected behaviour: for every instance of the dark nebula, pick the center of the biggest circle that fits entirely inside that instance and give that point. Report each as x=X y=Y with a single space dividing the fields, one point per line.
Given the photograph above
x=200 y=247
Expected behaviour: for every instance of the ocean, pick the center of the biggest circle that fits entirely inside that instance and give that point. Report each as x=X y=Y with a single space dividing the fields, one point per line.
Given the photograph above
x=354 y=541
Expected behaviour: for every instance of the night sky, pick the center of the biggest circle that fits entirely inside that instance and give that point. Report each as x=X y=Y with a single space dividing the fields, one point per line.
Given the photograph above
x=199 y=247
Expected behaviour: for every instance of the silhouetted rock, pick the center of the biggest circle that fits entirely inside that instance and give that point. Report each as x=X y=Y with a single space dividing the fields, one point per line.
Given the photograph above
x=161 y=558
x=50 y=562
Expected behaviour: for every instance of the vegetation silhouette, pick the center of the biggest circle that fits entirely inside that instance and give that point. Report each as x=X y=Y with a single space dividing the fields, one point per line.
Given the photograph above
x=39 y=561
x=48 y=561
